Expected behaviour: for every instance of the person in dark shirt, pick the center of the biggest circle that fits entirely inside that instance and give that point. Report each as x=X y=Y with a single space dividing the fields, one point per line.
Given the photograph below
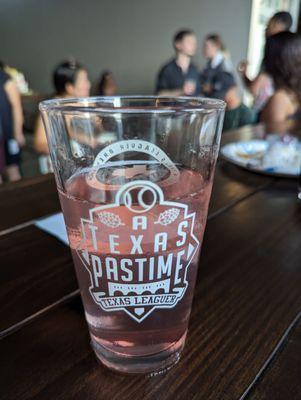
x=237 y=113
x=2 y=156
x=11 y=125
x=180 y=76
x=217 y=61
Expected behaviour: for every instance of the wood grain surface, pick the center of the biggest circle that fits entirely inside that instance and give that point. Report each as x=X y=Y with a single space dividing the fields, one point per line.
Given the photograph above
x=244 y=339
x=247 y=294
x=281 y=380
x=26 y=200
x=47 y=261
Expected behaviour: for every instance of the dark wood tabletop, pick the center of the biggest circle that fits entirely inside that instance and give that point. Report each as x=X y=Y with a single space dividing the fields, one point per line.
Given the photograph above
x=244 y=339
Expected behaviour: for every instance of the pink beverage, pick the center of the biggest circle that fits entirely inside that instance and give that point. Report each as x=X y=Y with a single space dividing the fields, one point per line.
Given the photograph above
x=135 y=236
x=134 y=176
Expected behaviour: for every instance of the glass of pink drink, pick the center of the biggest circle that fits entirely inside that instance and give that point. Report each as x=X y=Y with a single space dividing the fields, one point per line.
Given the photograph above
x=134 y=177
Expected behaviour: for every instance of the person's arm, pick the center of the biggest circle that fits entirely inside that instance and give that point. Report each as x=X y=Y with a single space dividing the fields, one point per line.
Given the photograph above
x=40 y=140
x=255 y=85
x=14 y=98
x=260 y=82
x=242 y=69
x=277 y=109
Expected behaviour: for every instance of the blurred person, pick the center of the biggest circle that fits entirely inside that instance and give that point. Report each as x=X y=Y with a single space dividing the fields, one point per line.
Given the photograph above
x=2 y=158
x=262 y=86
x=180 y=76
x=11 y=120
x=280 y=22
x=217 y=61
x=18 y=77
x=215 y=53
x=282 y=61
x=70 y=79
x=107 y=84
x=237 y=114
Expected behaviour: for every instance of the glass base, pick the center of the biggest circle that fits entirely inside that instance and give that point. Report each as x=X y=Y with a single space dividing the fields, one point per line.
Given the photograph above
x=152 y=364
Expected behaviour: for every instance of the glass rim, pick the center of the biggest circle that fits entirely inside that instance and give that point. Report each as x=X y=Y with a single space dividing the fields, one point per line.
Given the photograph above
x=83 y=104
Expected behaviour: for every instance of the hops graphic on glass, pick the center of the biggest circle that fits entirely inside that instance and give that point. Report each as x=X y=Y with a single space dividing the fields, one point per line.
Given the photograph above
x=168 y=216
x=110 y=219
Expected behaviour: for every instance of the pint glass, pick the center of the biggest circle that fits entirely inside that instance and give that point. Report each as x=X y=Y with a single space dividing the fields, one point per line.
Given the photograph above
x=134 y=177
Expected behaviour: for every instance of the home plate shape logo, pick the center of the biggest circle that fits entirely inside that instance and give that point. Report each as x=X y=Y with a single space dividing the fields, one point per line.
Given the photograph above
x=137 y=251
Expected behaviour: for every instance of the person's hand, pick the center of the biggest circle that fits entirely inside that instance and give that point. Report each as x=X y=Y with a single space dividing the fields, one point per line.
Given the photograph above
x=189 y=87
x=20 y=138
x=207 y=89
x=242 y=67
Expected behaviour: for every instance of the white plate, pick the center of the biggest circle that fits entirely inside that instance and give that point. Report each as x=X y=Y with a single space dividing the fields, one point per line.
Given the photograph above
x=250 y=155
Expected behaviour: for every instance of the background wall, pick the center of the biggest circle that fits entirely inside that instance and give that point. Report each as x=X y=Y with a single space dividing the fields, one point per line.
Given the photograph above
x=130 y=37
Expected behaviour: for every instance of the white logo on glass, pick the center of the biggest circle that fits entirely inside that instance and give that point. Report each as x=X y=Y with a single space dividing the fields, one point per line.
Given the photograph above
x=138 y=249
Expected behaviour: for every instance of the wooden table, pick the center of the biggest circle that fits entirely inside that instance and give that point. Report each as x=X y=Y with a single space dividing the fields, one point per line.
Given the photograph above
x=244 y=338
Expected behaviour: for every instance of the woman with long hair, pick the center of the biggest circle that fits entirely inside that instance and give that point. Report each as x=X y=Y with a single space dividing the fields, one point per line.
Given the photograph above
x=282 y=61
